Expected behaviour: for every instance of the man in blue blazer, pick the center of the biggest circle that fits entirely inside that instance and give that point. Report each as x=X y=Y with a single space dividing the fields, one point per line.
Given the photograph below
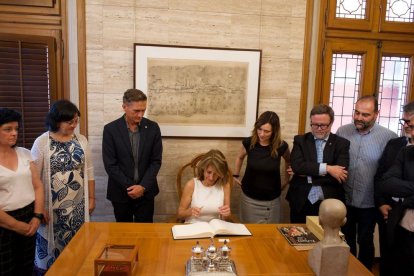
x=132 y=152
x=317 y=173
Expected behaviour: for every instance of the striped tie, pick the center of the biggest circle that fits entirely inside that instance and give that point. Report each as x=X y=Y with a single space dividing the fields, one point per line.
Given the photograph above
x=316 y=192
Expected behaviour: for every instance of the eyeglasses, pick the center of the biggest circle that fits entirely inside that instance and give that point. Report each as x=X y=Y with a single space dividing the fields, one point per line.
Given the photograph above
x=404 y=121
x=321 y=126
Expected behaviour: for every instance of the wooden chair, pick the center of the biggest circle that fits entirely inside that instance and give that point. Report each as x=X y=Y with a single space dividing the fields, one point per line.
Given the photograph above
x=193 y=166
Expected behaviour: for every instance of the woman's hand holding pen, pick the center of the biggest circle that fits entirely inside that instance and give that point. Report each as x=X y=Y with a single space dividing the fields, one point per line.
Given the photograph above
x=196 y=211
x=224 y=211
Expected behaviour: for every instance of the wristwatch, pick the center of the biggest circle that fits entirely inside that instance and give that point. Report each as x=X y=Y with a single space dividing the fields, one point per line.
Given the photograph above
x=39 y=216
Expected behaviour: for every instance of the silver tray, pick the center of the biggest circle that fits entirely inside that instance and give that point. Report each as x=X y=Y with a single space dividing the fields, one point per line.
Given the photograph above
x=201 y=268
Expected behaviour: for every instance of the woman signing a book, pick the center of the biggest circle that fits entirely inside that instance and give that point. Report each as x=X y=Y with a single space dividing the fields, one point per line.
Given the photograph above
x=207 y=196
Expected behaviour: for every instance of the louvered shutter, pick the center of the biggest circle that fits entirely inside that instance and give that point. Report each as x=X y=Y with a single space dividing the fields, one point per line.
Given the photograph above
x=25 y=85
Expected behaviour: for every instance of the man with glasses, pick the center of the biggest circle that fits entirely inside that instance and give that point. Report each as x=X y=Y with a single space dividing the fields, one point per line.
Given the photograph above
x=368 y=141
x=385 y=203
x=398 y=182
x=319 y=162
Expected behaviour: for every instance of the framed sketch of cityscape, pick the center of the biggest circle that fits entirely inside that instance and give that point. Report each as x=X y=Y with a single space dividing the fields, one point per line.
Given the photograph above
x=199 y=92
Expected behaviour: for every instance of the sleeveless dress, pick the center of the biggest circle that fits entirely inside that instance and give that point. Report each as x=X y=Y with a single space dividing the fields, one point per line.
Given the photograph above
x=67 y=160
x=210 y=198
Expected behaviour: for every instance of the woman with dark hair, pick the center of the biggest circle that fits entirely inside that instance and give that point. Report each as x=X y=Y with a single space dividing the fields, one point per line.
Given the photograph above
x=207 y=196
x=21 y=200
x=63 y=160
x=261 y=184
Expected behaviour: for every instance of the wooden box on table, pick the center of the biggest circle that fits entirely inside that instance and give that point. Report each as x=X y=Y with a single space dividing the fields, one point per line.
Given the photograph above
x=116 y=259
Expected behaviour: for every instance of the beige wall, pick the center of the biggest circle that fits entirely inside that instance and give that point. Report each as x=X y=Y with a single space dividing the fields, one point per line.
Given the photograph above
x=275 y=26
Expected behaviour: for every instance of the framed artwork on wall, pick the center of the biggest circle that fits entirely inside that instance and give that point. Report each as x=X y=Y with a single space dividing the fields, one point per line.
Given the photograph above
x=199 y=92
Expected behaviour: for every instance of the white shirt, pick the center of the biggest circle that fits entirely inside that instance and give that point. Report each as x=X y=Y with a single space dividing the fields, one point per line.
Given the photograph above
x=16 y=188
x=207 y=198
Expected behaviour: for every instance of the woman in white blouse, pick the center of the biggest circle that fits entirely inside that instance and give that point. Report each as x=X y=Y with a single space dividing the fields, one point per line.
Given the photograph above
x=21 y=200
x=207 y=196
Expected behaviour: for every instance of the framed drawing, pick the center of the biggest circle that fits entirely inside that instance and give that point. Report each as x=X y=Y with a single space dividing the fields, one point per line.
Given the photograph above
x=199 y=92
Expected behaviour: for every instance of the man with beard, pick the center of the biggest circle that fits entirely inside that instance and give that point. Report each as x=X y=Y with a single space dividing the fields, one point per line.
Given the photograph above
x=368 y=141
x=319 y=161
x=386 y=203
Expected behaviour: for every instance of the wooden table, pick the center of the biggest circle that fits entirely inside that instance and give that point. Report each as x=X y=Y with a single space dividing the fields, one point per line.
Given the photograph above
x=264 y=253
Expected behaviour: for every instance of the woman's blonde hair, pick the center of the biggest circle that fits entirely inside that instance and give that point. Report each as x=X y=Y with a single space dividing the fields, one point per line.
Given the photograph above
x=215 y=159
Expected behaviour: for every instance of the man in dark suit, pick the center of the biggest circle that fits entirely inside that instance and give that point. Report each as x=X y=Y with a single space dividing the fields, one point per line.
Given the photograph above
x=319 y=162
x=398 y=182
x=132 y=152
x=385 y=203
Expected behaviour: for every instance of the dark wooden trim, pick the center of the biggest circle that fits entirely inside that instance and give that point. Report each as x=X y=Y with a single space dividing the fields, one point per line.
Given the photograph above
x=305 y=68
x=82 y=81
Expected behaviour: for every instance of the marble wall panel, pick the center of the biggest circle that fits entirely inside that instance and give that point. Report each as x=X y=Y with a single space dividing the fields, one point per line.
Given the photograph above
x=94 y=2
x=94 y=30
x=118 y=70
x=112 y=106
x=276 y=8
x=159 y=4
x=118 y=27
x=95 y=114
x=274 y=79
x=95 y=67
x=297 y=34
x=152 y=25
x=275 y=36
x=199 y=29
x=245 y=31
x=292 y=8
x=218 y=6
x=117 y=3
x=294 y=79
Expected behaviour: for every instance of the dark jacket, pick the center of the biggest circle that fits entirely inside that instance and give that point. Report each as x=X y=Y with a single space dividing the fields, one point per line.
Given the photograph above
x=304 y=163
x=398 y=181
x=386 y=161
x=119 y=161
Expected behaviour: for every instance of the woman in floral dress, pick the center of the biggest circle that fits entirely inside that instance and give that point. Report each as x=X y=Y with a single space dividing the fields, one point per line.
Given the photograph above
x=63 y=160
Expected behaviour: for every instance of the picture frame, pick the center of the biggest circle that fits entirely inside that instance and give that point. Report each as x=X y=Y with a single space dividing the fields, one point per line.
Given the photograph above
x=199 y=91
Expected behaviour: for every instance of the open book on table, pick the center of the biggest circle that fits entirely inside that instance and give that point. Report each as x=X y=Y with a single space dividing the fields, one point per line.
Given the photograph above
x=209 y=229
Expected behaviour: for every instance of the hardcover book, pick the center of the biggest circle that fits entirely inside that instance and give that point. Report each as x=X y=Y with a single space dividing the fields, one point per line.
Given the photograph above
x=299 y=236
x=209 y=229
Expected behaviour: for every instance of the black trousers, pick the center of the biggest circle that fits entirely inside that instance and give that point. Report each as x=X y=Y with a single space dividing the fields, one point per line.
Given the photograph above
x=359 y=227
x=17 y=251
x=385 y=249
x=135 y=210
x=403 y=252
x=308 y=209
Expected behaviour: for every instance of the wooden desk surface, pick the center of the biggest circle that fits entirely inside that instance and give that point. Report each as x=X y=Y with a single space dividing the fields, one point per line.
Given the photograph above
x=264 y=253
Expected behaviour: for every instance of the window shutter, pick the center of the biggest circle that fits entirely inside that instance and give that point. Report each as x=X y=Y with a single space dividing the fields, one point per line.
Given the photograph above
x=25 y=85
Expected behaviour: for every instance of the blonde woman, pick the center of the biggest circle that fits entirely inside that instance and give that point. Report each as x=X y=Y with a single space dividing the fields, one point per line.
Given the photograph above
x=207 y=196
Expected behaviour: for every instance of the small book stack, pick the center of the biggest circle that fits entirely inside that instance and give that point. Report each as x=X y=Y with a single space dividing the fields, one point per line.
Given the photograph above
x=312 y=223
